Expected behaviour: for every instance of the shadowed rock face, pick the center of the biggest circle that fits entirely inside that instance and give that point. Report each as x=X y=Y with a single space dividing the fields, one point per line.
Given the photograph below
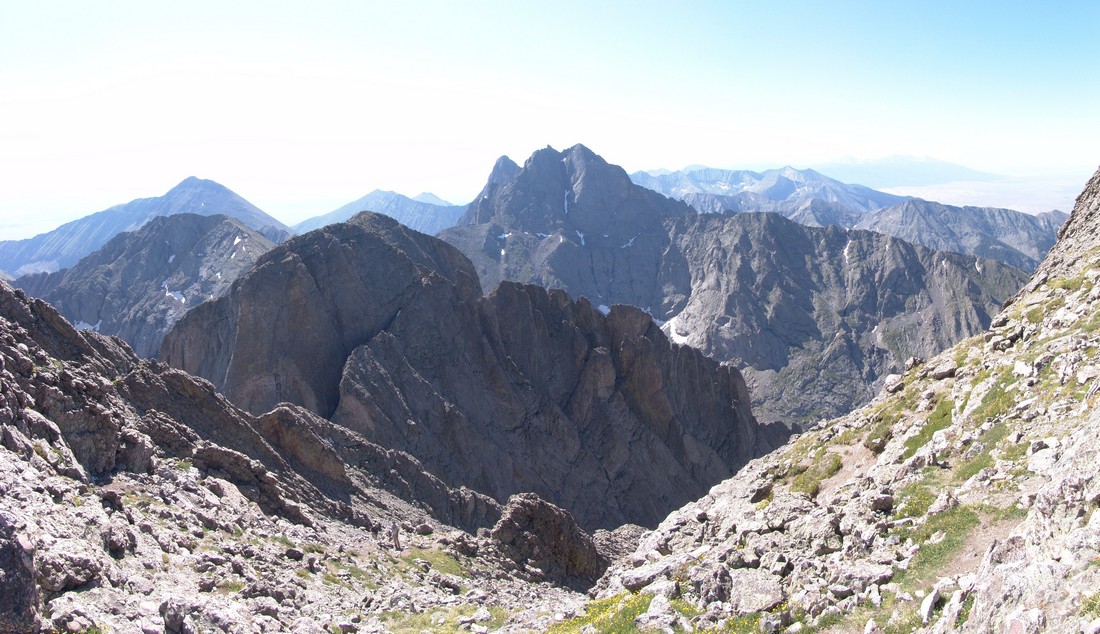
x=141 y=282
x=385 y=331
x=815 y=317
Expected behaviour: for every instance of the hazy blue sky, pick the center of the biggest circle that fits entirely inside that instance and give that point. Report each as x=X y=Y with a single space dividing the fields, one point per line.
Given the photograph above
x=302 y=107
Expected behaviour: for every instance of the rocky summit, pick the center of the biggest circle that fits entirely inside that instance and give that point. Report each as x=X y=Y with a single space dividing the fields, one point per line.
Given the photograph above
x=141 y=282
x=385 y=332
x=963 y=498
x=816 y=317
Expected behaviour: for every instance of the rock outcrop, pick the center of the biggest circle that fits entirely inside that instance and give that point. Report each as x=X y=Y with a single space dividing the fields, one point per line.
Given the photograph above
x=815 y=317
x=385 y=332
x=962 y=499
x=140 y=283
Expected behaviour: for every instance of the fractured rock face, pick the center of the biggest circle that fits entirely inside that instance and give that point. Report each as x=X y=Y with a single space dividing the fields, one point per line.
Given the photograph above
x=19 y=595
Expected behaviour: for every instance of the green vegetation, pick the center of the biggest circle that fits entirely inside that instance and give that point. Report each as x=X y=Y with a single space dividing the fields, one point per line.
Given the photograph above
x=1090 y=605
x=879 y=435
x=939 y=419
x=438 y=560
x=1069 y=283
x=989 y=440
x=808 y=479
x=955 y=524
x=440 y=620
x=1035 y=315
x=231 y=585
x=915 y=499
x=964 y=612
x=607 y=616
x=908 y=622
x=996 y=402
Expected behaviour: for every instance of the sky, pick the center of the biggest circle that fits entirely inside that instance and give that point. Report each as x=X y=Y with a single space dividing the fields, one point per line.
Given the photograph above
x=301 y=107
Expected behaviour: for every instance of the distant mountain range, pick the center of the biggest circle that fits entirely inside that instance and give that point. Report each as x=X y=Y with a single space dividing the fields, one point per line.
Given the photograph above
x=426 y=213
x=1009 y=236
x=812 y=199
x=66 y=245
x=141 y=282
x=781 y=190
x=815 y=317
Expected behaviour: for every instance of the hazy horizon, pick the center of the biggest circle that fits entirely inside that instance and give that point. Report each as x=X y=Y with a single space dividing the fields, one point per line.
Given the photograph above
x=301 y=109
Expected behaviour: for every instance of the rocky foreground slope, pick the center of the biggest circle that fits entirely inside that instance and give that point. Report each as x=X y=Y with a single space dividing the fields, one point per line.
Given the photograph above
x=964 y=498
x=140 y=283
x=815 y=317
x=134 y=498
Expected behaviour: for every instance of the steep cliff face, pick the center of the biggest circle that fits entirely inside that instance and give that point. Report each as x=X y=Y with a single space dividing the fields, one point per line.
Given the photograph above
x=385 y=331
x=816 y=317
x=963 y=498
x=141 y=282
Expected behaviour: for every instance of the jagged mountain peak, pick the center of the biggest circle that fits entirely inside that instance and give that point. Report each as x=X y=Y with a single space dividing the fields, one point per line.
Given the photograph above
x=574 y=191
x=66 y=245
x=138 y=284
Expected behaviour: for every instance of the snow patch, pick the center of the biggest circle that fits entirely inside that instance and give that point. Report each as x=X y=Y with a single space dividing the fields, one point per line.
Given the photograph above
x=630 y=242
x=236 y=241
x=83 y=325
x=502 y=253
x=978 y=265
x=566 y=199
x=604 y=308
x=176 y=295
x=847 y=249
x=670 y=330
x=504 y=236
x=171 y=258
x=581 y=236
x=233 y=256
